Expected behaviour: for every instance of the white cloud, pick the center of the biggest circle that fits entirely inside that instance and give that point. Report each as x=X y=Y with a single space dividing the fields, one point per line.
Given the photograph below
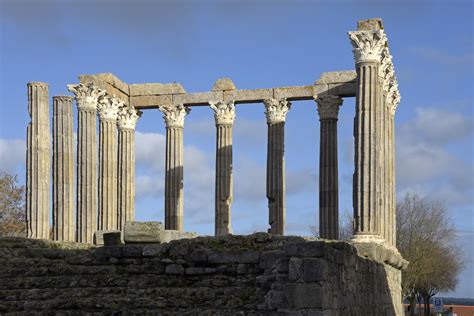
x=427 y=164
x=12 y=155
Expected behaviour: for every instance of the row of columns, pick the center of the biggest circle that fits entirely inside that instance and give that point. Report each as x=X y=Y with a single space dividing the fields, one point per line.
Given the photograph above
x=105 y=188
x=224 y=115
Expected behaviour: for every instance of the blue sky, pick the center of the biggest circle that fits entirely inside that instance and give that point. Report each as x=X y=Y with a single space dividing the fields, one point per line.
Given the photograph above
x=257 y=44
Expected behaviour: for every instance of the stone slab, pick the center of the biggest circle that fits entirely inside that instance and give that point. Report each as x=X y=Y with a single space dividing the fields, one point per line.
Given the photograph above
x=347 y=89
x=155 y=89
x=143 y=232
x=150 y=101
x=199 y=98
x=337 y=77
x=248 y=96
x=293 y=93
x=106 y=77
x=169 y=235
x=99 y=236
x=112 y=238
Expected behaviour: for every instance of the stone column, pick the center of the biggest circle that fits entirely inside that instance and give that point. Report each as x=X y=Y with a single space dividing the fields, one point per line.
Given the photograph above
x=108 y=109
x=368 y=45
x=87 y=97
x=174 y=119
x=276 y=110
x=224 y=115
x=393 y=99
x=127 y=120
x=38 y=162
x=328 y=109
x=63 y=172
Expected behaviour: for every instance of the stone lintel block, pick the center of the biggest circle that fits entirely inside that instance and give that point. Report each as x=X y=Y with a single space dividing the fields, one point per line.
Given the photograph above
x=99 y=236
x=305 y=295
x=305 y=249
x=248 y=96
x=223 y=84
x=143 y=232
x=199 y=98
x=150 y=101
x=169 y=235
x=370 y=24
x=109 y=78
x=347 y=89
x=155 y=89
x=337 y=77
x=294 y=93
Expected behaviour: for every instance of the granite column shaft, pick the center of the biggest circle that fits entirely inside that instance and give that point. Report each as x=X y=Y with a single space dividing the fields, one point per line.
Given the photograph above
x=38 y=162
x=63 y=169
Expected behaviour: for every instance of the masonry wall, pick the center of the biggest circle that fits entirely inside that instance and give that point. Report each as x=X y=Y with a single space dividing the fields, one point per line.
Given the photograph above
x=252 y=275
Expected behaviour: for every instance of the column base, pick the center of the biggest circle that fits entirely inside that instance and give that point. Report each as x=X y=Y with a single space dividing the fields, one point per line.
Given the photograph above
x=366 y=238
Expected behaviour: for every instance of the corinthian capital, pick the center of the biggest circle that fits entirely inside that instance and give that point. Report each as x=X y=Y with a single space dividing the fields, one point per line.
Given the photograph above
x=276 y=110
x=174 y=115
x=128 y=117
x=368 y=45
x=109 y=108
x=393 y=95
x=87 y=95
x=328 y=106
x=224 y=112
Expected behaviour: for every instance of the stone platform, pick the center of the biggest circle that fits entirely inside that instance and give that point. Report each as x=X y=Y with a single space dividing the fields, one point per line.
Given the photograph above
x=258 y=274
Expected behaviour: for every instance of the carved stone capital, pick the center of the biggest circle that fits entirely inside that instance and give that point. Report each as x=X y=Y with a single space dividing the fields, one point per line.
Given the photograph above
x=224 y=112
x=328 y=106
x=174 y=115
x=109 y=108
x=368 y=45
x=128 y=117
x=276 y=110
x=87 y=95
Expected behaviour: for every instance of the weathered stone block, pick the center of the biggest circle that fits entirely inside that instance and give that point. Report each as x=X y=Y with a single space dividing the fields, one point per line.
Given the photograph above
x=169 y=235
x=199 y=255
x=250 y=257
x=143 y=232
x=337 y=77
x=223 y=84
x=295 y=269
x=269 y=258
x=112 y=238
x=303 y=295
x=155 y=88
x=314 y=270
x=224 y=257
x=305 y=249
x=174 y=269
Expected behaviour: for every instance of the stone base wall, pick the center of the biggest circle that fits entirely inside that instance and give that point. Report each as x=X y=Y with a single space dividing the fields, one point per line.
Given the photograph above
x=258 y=274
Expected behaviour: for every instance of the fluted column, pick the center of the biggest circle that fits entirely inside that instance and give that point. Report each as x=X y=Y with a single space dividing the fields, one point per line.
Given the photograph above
x=328 y=109
x=38 y=162
x=127 y=120
x=63 y=169
x=174 y=119
x=393 y=99
x=276 y=110
x=368 y=45
x=107 y=207
x=87 y=97
x=224 y=115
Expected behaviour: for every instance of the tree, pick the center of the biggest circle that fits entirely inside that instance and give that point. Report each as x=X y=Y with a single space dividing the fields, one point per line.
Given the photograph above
x=427 y=239
x=12 y=206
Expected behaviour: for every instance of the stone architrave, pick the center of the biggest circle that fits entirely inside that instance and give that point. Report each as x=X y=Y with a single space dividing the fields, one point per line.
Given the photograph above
x=63 y=169
x=368 y=46
x=276 y=110
x=224 y=115
x=87 y=96
x=38 y=162
x=108 y=109
x=328 y=109
x=174 y=193
x=127 y=121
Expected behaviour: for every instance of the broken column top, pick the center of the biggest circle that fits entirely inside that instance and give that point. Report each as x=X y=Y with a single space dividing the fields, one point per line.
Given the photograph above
x=370 y=24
